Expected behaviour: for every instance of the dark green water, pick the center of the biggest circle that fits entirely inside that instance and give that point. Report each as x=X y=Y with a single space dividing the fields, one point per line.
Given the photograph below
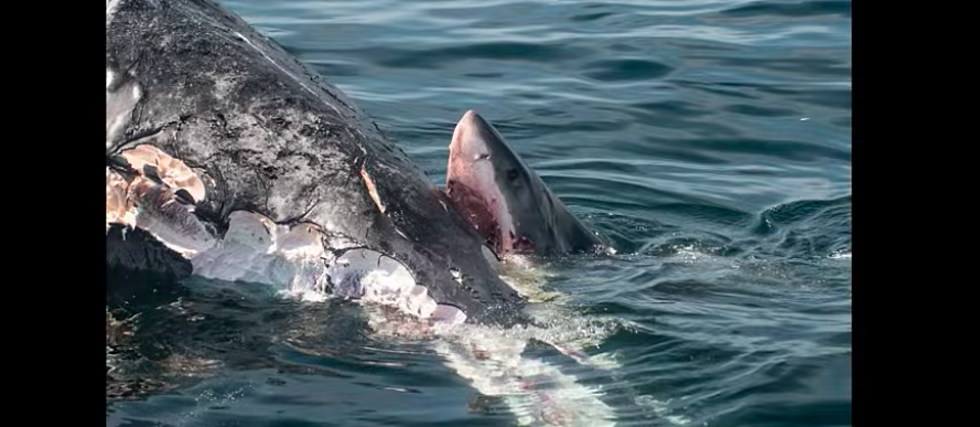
x=710 y=139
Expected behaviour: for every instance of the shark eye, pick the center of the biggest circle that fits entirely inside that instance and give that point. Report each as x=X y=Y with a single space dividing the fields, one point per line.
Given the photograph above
x=483 y=156
x=512 y=174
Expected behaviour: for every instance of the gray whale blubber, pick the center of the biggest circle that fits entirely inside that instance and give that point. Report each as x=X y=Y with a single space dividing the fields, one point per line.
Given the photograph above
x=268 y=135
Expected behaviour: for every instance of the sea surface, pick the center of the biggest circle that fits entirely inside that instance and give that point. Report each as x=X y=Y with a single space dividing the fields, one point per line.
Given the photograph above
x=709 y=139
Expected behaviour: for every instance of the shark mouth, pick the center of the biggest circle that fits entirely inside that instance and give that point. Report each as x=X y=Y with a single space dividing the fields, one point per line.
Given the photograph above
x=472 y=186
x=478 y=211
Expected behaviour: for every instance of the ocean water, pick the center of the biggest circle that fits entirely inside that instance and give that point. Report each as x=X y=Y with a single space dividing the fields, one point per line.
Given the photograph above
x=709 y=139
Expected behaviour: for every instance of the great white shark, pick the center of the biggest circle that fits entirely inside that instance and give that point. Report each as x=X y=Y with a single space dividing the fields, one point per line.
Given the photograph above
x=227 y=158
x=506 y=201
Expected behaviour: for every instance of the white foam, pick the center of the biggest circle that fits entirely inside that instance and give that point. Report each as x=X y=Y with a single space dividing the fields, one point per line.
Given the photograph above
x=491 y=360
x=535 y=392
x=662 y=409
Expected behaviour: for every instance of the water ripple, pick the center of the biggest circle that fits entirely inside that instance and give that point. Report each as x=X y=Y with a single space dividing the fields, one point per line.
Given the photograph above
x=709 y=139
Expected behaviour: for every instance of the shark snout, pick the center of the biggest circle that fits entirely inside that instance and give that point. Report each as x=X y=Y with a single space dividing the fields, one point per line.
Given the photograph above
x=467 y=143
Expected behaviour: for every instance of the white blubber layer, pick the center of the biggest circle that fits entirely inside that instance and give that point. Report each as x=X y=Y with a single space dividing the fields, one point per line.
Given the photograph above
x=255 y=249
x=369 y=276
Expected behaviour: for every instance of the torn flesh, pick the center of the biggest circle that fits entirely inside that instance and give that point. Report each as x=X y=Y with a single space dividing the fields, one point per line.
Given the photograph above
x=292 y=258
x=374 y=278
x=256 y=249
